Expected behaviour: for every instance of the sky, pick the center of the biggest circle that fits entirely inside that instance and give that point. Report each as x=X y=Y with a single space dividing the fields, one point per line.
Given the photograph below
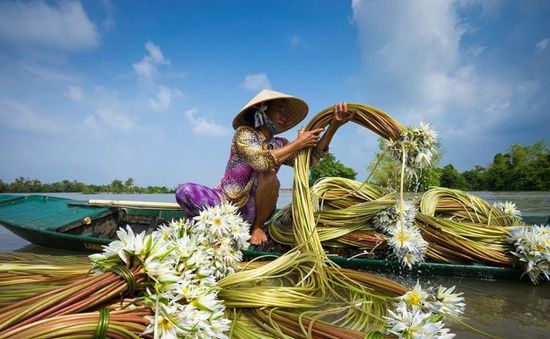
x=100 y=90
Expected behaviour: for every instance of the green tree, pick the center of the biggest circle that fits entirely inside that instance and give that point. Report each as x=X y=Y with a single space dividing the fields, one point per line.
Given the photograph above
x=431 y=176
x=521 y=168
x=476 y=179
x=452 y=178
x=3 y=186
x=330 y=167
x=20 y=184
x=116 y=186
x=129 y=185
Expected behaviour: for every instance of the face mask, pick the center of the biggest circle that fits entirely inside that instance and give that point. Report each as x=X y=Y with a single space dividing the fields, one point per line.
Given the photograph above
x=261 y=118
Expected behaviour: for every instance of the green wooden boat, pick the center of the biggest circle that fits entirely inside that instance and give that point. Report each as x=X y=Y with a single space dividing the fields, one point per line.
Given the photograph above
x=75 y=225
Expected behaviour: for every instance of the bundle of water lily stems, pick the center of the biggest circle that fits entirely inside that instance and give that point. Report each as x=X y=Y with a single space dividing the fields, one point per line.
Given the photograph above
x=459 y=227
x=455 y=226
x=183 y=281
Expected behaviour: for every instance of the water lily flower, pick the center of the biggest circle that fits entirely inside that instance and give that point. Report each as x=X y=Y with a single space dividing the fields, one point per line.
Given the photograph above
x=509 y=208
x=447 y=302
x=415 y=324
x=415 y=298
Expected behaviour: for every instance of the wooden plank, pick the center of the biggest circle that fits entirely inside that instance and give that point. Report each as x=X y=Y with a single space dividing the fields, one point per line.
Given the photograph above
x=135 y=204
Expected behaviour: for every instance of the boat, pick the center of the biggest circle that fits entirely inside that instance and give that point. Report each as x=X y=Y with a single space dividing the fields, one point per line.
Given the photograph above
x=83 y=226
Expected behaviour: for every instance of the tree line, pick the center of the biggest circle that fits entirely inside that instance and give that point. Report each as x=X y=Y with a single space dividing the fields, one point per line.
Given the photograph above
x=26 y=185
x=521 y=168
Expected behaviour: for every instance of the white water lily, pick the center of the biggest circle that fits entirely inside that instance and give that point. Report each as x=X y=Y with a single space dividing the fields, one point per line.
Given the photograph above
x=182 y=262
x=404 y=237
x=420 y=312
x=166 y=232
x=419 y=146
x=533 y=249
x=447 y=302
x=403 y=211
x=415 y=324
x=415 y=298
x=207 y=302
x=508 y=207
x=160 y=271
x=218 y=227
x=186 y=246
x=187 y=290
x=128 y=244
x=169 y=322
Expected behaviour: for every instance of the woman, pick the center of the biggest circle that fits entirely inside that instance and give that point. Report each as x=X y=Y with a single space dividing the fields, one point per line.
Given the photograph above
x=250 y=180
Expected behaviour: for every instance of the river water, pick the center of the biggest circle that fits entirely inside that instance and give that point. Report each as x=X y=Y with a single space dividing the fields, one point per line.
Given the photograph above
x=507 y=309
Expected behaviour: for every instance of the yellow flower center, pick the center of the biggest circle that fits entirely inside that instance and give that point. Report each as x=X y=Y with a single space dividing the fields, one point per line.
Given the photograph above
x=185 y=291
x=165 y=324
x=402 y=237
x=414 y=299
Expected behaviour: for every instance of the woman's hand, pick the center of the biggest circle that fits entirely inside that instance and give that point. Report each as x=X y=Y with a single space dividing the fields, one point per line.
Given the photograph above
x=307 y=139
x=341 y=115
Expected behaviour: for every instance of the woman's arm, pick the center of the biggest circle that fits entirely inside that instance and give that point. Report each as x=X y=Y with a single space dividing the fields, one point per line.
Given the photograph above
x=311 y=138
x=339 y=118
x=305 y=139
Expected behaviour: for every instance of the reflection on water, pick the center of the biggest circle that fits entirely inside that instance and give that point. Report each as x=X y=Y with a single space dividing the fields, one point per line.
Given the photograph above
x=508 y=309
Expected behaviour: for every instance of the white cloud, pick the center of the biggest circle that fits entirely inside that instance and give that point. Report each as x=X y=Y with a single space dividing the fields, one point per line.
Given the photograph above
x=74 y=92
x=155 y=53
x=541 y=45
x=256 y=82
x=64 y=26
x=420 y=68
x=163 y=98
x=419 y=57
x=109 y=117
x=147 y=68
x=475 y=51
x=421 y=44
x=47 y=73
x=108 y=22
x=205 y=127
x=295 y=40
x=19 y=117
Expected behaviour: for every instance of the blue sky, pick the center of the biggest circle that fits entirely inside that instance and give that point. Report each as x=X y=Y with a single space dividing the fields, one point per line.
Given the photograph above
x=99 y=90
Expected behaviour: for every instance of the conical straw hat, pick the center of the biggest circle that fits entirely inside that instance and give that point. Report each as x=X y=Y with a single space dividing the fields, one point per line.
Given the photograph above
x=296 y=109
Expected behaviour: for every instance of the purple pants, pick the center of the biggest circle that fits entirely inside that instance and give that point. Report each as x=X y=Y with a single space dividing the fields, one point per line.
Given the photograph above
x=193 y=198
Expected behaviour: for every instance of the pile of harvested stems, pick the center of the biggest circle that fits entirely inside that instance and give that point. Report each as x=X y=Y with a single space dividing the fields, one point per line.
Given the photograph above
x=460 y=228
x=301 y=294
x=26 y=274
x=343 y=210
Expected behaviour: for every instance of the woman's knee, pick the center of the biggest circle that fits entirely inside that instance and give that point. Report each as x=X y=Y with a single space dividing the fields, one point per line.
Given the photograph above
x=269 y=179
x=182 y=194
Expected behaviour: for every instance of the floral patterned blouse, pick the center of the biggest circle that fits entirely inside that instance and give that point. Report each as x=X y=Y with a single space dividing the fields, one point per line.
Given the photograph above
x=250 y=154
